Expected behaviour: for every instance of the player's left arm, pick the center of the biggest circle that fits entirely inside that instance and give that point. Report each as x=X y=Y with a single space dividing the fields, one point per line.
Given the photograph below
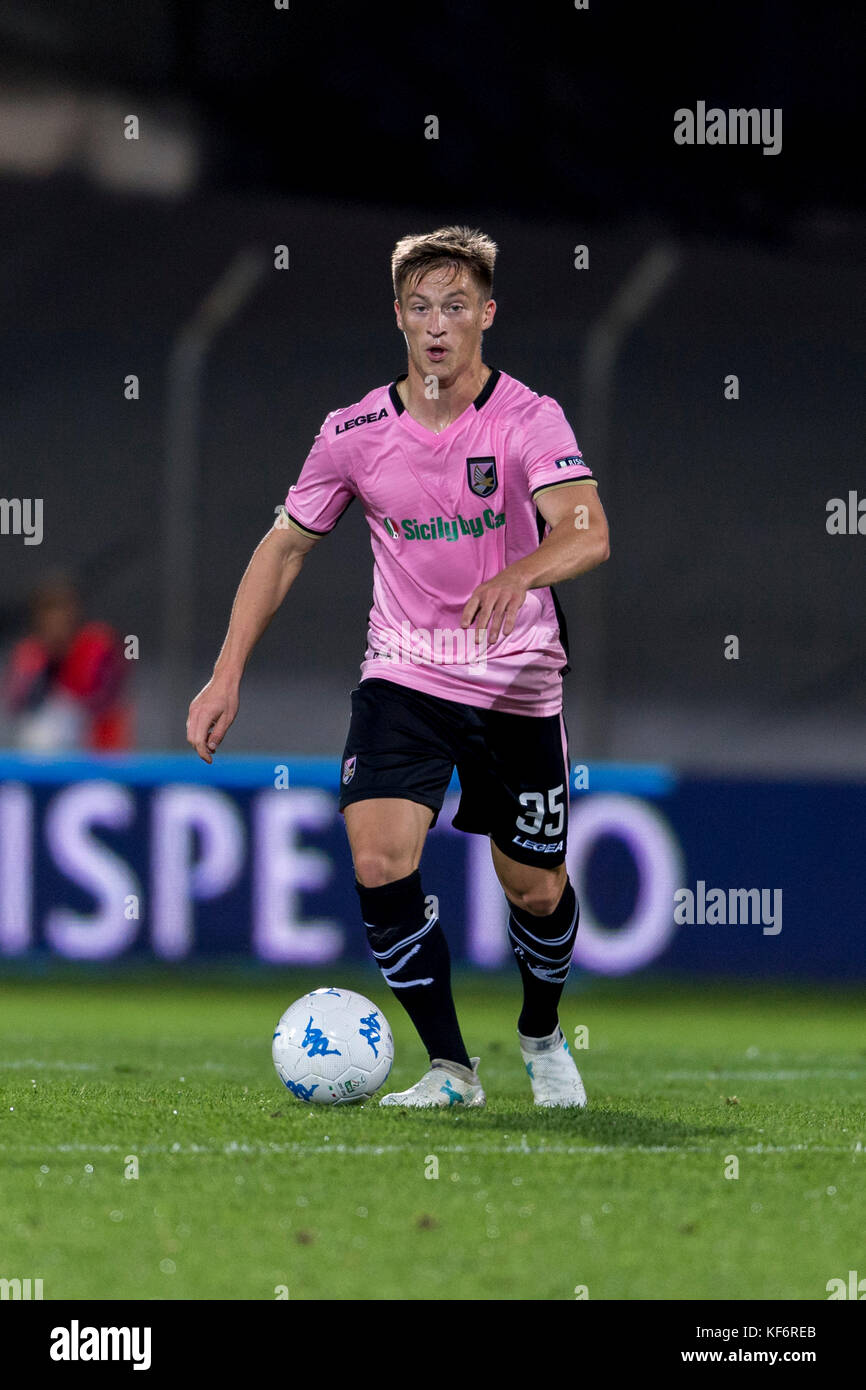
x=576 y=543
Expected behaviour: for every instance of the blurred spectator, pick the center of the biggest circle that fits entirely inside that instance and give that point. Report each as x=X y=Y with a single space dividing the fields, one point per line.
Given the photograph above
x=65 y=682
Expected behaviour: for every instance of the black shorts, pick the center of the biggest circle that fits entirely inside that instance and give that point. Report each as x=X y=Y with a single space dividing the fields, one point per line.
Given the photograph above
x=513 y=768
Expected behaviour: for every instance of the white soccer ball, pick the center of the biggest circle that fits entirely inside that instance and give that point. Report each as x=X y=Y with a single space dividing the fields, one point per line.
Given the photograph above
x=333 y=1046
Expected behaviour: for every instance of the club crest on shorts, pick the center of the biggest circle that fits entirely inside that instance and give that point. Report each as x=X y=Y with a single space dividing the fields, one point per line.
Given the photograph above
x=349 y=769
x=482 y=475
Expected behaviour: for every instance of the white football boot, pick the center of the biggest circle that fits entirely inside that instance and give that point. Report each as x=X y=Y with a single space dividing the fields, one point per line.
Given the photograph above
x=554 y=1076
x=444 y=1085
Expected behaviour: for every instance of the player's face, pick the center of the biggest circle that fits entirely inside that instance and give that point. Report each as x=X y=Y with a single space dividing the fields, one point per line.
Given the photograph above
x=442 y=319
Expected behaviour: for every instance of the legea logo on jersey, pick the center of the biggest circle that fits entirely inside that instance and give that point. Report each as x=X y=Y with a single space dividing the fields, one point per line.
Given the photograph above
x=440 y=528
x=360 y=420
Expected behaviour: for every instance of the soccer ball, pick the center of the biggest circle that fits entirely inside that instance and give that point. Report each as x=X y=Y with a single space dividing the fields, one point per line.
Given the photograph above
x=332 y=1046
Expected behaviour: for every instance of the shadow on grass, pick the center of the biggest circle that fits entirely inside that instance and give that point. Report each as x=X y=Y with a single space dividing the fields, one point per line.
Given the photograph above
x=507 y=1122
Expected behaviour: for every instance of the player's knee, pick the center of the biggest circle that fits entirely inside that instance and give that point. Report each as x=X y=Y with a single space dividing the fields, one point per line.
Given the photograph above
x=376 y=867
x=540 y=898
x=539 y=902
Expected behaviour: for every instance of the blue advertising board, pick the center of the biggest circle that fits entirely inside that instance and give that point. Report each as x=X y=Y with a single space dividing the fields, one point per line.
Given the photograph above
x=164 y=857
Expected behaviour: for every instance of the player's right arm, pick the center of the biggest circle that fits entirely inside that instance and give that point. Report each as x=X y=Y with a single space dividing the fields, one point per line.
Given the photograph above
x=275 y=565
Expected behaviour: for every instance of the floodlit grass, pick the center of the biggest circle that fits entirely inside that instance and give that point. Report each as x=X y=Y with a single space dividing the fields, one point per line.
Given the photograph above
x=243 y=1190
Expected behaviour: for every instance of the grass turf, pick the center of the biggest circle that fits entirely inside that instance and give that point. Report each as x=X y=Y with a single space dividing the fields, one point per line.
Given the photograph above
x=243 y=1191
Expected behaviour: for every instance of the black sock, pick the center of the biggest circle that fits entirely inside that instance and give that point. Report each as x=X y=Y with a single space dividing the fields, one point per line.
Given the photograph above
x=543 y=947
x=412 y=954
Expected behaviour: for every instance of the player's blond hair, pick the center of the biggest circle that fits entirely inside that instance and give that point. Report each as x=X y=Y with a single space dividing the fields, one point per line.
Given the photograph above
x=466 y=247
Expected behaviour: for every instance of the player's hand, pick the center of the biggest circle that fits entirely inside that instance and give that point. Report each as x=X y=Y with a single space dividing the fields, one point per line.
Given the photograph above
x=210 y=716
x=494 y=605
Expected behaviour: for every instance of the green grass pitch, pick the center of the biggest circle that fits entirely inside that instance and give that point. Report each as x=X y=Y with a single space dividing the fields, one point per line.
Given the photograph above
x=245 y=1193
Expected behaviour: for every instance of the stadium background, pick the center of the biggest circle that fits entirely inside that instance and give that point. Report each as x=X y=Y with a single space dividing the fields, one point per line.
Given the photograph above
x=702 y=262
x=157 y=915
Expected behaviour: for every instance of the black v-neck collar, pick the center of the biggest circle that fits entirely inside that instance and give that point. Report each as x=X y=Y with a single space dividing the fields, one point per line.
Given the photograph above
x=480 y=400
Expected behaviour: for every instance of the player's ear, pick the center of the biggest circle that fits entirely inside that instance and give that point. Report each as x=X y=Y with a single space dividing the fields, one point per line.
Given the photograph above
x=489 y=313
x=399 y=315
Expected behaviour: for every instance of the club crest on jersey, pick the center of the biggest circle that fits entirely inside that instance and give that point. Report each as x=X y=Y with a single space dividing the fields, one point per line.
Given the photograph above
x=482 y=475
x=349 y=769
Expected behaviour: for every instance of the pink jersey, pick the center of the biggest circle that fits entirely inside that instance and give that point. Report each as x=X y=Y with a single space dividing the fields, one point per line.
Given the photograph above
x=446 y=512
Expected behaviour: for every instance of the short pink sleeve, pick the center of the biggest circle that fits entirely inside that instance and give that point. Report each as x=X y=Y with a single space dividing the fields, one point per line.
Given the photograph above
x=323 y=490
x=549 y=451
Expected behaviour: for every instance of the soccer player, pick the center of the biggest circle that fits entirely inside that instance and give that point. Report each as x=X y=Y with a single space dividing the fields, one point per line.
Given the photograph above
x=478 y=501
